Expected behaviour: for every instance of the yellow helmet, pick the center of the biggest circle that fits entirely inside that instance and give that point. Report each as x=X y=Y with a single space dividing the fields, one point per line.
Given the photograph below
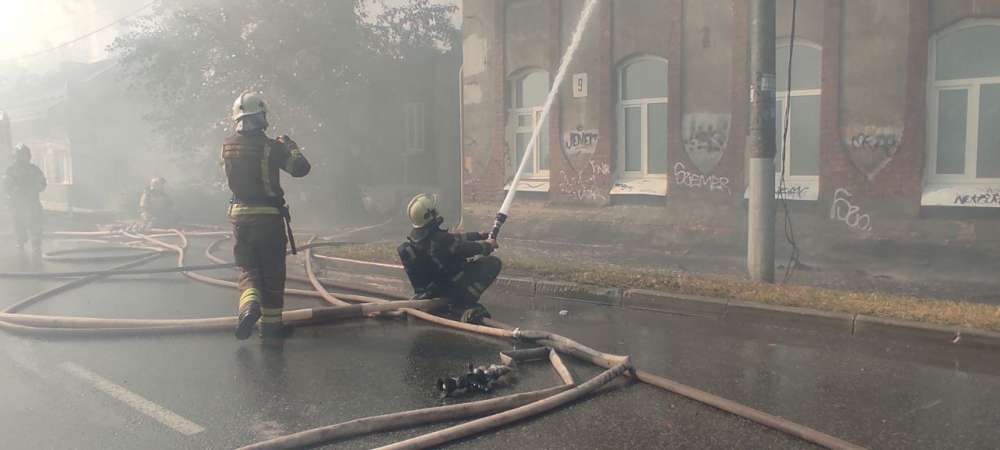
x=248 y=103
x=422 y=210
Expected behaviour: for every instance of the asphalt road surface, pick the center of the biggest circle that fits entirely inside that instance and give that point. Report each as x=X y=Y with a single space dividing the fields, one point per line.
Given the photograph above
x=211 y=391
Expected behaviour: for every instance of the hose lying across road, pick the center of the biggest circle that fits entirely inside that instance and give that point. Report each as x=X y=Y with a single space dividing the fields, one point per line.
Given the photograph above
x=491 y=413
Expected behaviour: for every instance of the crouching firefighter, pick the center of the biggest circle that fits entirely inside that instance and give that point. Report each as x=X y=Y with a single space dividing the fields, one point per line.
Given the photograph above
x=260 y=218
x=441 y=265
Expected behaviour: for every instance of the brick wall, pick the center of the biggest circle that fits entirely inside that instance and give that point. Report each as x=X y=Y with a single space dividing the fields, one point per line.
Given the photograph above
x=896 y=93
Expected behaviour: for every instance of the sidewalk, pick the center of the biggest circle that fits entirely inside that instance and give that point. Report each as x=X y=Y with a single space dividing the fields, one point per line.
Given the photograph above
x=623 y=236
x=949 y=289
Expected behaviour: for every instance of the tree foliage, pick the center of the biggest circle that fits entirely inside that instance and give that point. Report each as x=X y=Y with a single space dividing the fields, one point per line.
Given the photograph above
x=312 y=58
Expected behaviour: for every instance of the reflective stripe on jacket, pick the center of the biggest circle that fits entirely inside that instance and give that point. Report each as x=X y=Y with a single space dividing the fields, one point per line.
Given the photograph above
x=252 y=162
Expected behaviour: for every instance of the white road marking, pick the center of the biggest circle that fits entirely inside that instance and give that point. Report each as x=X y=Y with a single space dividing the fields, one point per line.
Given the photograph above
x=136 y=401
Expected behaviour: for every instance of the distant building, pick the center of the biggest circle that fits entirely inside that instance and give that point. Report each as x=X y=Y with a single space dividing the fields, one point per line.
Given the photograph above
x=84 y=134
x=89 y=134
x=895 y=105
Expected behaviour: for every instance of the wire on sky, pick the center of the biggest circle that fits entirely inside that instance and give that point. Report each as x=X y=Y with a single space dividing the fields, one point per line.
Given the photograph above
x=84 y=36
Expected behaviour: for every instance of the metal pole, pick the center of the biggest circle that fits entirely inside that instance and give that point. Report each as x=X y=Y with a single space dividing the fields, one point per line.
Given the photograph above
x=761 y=145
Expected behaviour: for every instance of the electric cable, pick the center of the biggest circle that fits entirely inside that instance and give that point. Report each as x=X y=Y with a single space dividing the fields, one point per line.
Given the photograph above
x=793 y=258
x=117 y=21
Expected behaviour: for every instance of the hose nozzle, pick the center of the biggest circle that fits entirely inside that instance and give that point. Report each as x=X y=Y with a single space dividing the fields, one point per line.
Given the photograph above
x=501 y=218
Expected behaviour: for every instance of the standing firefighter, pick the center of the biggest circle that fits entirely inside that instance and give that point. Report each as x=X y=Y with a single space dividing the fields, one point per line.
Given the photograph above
x=23 y=182
x=261 y=223
x=156 y=207
x=440 y=264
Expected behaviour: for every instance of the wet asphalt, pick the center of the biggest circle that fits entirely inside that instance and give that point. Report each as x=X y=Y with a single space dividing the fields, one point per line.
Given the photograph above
x=878 y=394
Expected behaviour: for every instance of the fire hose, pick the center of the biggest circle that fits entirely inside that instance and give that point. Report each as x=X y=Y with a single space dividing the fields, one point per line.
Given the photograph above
x=498 y=411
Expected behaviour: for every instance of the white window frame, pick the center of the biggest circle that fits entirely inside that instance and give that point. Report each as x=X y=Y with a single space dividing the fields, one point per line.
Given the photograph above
x=531 y=171
x=51 y=155
x=643 y=105
x=972 y=86
x=785 y=170
x=414 y=125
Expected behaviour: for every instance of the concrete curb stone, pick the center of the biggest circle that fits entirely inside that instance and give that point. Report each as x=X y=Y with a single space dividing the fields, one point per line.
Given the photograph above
x=972 y=337
x=578 y=292
x=517 y=285
x=792 y=317
x=687 y=305
x=868 y=326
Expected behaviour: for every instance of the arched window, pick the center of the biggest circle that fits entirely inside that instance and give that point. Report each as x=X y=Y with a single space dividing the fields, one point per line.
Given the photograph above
x=797 y=154
x=964 y=104
x=527 y=96
x=642 y=118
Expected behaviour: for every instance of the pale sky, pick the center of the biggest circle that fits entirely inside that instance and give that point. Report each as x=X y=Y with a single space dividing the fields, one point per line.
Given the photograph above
x=29 y=26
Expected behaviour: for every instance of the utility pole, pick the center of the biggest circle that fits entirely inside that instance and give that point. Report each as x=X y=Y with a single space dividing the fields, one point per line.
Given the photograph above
x=761 y=145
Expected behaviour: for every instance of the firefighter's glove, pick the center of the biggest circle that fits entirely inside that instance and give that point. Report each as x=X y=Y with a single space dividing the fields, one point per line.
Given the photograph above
x=284 y=139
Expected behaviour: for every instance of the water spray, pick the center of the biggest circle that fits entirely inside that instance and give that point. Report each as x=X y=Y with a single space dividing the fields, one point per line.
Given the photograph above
x=560 y=74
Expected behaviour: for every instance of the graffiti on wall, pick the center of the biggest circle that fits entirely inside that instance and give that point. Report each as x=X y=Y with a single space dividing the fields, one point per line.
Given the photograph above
x=989 y=197
x=580 y=142
x=792 y=192
x=705 y=137
x=582 y=184
x=693 y=180
x=871 y=148
x=850 y=214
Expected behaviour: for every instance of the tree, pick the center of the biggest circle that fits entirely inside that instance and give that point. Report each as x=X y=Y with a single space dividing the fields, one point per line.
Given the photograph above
x=312 y=58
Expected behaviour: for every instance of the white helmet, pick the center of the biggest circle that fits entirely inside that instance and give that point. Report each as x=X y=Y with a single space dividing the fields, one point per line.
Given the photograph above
x=248 y=103
x=157 y=183
x=422 y=210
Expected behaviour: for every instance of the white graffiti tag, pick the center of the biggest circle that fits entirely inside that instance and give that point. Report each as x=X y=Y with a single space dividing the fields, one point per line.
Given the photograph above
x=844 y=211
x=582 y=184
x=692 y=180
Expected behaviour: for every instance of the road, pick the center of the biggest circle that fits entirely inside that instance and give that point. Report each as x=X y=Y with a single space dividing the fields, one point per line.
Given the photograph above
x=210 y=391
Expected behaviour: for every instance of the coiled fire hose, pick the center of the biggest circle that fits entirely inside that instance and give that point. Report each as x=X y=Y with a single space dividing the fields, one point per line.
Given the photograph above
x=498 y=411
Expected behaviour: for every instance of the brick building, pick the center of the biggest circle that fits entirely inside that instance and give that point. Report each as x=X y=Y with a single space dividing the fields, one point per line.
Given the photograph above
x=894 y=109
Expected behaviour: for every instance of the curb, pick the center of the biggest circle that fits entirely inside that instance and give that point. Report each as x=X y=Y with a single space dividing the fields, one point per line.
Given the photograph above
x=978 y=338
x=791 y=317
x=858 y=325
x=514 y=285
x=877 y=327
x=685 y=305
x=578 y=292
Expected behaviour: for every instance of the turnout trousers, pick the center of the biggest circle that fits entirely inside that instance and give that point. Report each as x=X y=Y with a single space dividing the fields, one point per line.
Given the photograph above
x=259 y=253
x=473 y=280
x=27 y=221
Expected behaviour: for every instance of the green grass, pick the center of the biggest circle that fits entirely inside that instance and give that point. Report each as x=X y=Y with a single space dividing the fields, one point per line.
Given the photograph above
x=938 y=311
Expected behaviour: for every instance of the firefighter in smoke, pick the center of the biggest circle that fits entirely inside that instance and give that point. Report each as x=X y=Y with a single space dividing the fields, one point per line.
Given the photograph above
x=441 y=264
x=23 y=183
x=260 y=218
x=156 y=207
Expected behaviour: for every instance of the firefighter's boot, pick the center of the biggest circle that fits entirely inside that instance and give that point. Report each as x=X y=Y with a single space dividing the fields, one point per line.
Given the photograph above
x=475 y=314
x=249 y=313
